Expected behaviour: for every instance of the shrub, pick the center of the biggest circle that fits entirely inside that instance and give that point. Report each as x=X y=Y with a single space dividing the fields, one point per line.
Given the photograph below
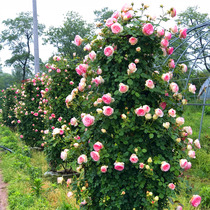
x=133 y=145
x=205 y=194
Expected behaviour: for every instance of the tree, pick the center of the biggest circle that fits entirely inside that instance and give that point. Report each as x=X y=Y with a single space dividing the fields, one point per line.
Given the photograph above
x=18 y=37
x=103 y=14
x=62 y=37
x=191 y=18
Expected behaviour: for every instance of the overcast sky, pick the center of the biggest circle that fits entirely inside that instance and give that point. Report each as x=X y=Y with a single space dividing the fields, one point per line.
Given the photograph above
x=51 y=12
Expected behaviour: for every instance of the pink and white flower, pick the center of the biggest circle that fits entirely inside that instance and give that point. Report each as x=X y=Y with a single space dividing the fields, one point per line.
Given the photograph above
x=95 y=156
x=140 y=111
x=195 y=200
x=183 y=163
x=159 y=112
x=78 y=40
x=174 y=87
x=174 y=29
x=183 y=33
x=104 y=169
x=108 y=51
x=88 y=120
x=82 y=159
x=160 y=31
x=192 y=88
x=133 y=40
x=123 y=88
x=191 y=154
x=119 y=166
x=97 y=146
x=148 y=29
x=116 y=28
x=173 y=12
x=64 y=155
x=172 y=112
x=179 y=121
x=171 y=63
x=73 y=122
x=92 y=55
x=166 y=77
x=146 y=108
x=134 y=158
x=165 y=166
x=166 y=125
x=188 y=129
x=110 y=21
x=197 y=143
x=107 y=98
x=183 y=67
x=164 y=43
x=149 y=83
x=171 y=186
x=70 y=194
x=132 y=67
x=167 y=35
x=107 y=110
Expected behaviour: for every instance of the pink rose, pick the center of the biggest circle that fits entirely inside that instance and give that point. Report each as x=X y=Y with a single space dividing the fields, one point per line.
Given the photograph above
x=140 y=111
x=69 y=194
x=159 y=112
x=171 y=63
x=188 y=166
x=107 y=98
x=146 y=108
x=119 y=166
x=104 y=169
x=172 y=112
x=174 y=29
x=168 y=35
x=148 y=29
x=191 y=154
x=110 y=21
x=92 y=55
x=73 y=122
x=165 y=166
x=132 y=67
x=88 y=120
x=171 y=186
x=179 y=121
x=134 y=158
x=160 y=31
x=116 y=28
x=192 y=88
x=166 y=77
x=195 y=200
x=149 y=83
x=164 y=43
x=179 y=208
x=141 y=165
x=63 y=155
x=174 y=87
x=128 y=15
x=21 y=136
x=95 y=155
x=123 y=88
x=133 y=40
x=183 y=163
x=116 y=14
x=183 y=67
x=163 y=105
x=108 y=51
x=188 y=129
x=183 y=33
x=197 y=143
x=126 y=8
x=170 y=50
x=78 y=40
x=82 y=159
x=97 y=146
x=107 y=110
x=173 y=12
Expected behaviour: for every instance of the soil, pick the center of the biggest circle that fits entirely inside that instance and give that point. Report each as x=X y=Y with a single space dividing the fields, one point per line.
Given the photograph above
x=3 y=193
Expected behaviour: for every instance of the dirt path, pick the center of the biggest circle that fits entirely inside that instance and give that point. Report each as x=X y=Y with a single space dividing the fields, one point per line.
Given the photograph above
x=3 y=193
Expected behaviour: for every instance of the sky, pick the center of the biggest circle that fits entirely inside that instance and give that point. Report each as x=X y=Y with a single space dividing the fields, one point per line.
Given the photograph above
x=51 y=13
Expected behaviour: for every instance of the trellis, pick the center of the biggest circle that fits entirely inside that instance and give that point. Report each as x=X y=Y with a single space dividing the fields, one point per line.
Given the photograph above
x=200 y=58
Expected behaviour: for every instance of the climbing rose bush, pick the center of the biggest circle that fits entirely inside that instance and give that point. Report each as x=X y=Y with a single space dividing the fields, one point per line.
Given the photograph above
x=133 y=144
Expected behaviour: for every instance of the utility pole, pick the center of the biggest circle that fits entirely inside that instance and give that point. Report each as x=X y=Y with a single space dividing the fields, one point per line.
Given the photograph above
x=36 y=43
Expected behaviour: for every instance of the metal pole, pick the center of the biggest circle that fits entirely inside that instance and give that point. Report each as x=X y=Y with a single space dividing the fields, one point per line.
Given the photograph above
x=36 y=43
